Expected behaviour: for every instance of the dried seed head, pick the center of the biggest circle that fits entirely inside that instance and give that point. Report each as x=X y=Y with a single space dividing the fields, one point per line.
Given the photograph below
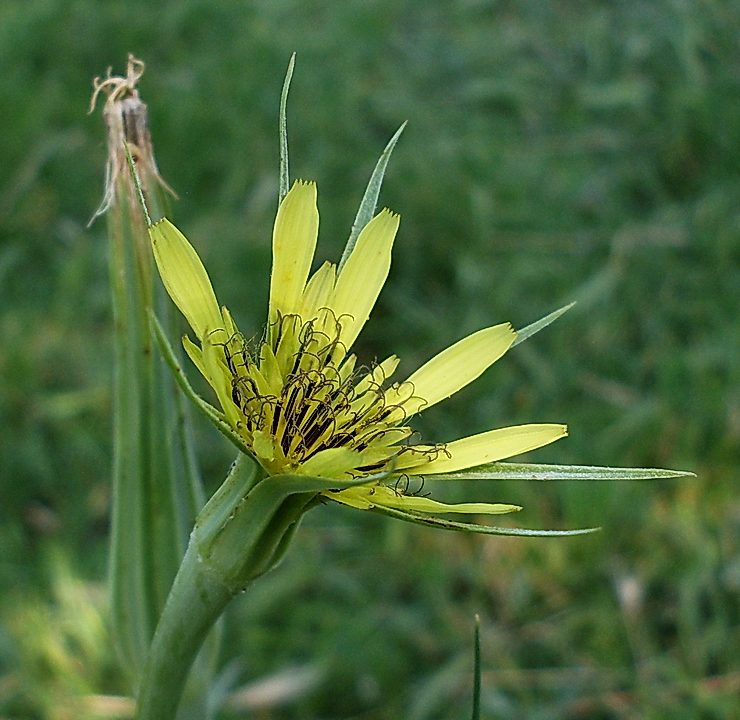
x=126 y=121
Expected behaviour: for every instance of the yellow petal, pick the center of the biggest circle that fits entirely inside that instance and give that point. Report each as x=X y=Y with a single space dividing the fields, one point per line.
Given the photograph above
x=185 y=278
x=263 y=445
x=208 y=361
x=331 y=463
x=270 y=369
x=364 y=275
x=293 y=245
x=219 y=377
x=288 y=345
x=415 y=455
x=427 y=505
x=367 y=497
x=318 y=291
x=350 y=497
x=347 y=368
x=195 y=354
x=385 y=437
x=491 y=446
x=229 y=324
x=453 y=368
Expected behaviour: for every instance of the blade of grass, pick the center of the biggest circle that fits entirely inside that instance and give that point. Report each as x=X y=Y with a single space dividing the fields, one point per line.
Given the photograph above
x=476 y=671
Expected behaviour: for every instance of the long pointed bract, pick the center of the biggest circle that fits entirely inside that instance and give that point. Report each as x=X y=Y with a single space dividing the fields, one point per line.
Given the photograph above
x=445 y=524
x=524 y=471
x=284 y=168
x=370 y=198
x=540 y=324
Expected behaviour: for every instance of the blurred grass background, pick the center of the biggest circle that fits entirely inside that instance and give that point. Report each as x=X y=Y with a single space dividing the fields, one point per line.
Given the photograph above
x=583 y=150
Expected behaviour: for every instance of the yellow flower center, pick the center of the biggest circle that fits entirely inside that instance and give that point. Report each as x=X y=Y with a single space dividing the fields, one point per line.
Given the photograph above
x=300 y=395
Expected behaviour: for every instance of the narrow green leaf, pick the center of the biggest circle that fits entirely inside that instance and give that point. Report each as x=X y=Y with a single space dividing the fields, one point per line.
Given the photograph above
x=476 y=671
x=370 y=198
x=216 y=417
x=517 y=471
x=284 y=170
x=535 y=327
x=471 y=527
x=131 y=606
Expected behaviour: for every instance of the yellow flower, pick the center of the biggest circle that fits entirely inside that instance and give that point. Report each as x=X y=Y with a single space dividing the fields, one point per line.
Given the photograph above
x=298 y=400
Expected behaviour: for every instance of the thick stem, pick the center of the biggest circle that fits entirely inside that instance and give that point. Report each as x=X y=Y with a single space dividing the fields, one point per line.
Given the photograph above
x=196 y=601
x=198 y=596
x=205 y=584
x=242 y=532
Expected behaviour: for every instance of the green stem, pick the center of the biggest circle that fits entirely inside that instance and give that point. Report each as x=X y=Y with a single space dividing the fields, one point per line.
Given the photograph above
x=197 y=598
x=241 y=533
x=196 y=601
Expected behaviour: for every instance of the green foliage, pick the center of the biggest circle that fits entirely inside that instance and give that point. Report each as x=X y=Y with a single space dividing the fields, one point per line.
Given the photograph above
x=574 y=151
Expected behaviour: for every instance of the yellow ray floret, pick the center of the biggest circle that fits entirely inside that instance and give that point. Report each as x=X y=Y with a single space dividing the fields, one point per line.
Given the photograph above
x=453 y=368
x=364 y=274
x=490 y=447
x=318 y=291
x=293 y=246
x=365 y=498
x=185 y=278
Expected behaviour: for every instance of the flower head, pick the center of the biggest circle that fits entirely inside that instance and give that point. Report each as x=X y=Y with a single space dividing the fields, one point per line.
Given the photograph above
x=298 y=400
